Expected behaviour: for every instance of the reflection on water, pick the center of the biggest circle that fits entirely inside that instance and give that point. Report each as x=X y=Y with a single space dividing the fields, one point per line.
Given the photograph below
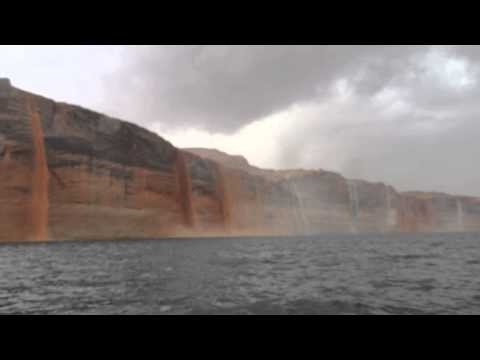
x=328 y=274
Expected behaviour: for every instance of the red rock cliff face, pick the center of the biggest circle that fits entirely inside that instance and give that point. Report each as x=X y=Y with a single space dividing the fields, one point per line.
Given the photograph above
x=317 y=201
x=70 y=173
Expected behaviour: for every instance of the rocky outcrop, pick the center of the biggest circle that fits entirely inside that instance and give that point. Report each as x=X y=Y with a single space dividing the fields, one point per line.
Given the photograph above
x=70 y=173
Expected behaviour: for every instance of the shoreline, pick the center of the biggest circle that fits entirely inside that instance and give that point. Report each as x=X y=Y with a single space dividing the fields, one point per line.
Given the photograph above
x=231 y=237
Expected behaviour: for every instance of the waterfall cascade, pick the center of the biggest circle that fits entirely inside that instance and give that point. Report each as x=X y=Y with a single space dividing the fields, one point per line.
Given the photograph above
x=184 y=189
x=460 y=215
x=40 y=204
x=354 y=207
x=295 y=206
x=300 y=208
x=390 y=216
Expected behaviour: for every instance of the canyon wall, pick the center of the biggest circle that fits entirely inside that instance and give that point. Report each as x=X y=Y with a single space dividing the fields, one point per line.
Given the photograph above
x=70 y=173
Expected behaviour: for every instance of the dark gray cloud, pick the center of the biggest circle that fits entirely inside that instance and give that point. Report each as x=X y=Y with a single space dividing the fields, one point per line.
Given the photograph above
x=418 y=148
x=410 y=116
x=222 y=88
x=441 y=161
x=425 y=160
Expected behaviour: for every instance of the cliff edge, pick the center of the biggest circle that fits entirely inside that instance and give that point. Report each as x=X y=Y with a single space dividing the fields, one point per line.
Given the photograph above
x=71 y=173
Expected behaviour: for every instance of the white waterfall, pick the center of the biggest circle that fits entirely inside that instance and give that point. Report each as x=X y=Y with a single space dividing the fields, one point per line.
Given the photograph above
x=390 y=216
x=353 y=195
x=295 y=206
x=460 y=224
x=300 y=208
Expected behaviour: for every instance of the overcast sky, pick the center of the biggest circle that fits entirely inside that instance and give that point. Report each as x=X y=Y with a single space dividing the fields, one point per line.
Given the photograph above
x=405 y=115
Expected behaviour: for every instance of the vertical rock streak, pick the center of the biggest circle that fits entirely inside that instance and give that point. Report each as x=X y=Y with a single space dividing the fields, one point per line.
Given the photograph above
x=39 y=205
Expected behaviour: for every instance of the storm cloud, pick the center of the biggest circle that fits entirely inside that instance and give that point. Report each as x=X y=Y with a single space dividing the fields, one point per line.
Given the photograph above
x=405 y=115
x=222 y=88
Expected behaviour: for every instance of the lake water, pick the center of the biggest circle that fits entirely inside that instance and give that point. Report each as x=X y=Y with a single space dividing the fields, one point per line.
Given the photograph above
x=328 y=274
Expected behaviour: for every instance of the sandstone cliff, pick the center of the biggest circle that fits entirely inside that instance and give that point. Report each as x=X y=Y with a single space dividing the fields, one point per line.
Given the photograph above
x=70 y=173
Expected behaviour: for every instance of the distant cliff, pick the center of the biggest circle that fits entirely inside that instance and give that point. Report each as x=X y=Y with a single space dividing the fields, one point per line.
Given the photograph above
x=70 y=173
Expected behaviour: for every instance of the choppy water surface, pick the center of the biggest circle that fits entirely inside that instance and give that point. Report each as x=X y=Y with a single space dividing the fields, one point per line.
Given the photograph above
x=328 y=274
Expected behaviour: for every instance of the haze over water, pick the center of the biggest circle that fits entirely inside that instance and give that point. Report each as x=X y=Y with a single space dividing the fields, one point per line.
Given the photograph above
x=327 y=274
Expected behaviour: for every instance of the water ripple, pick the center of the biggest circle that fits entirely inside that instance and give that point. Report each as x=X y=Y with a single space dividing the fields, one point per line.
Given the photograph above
x=331 y=274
